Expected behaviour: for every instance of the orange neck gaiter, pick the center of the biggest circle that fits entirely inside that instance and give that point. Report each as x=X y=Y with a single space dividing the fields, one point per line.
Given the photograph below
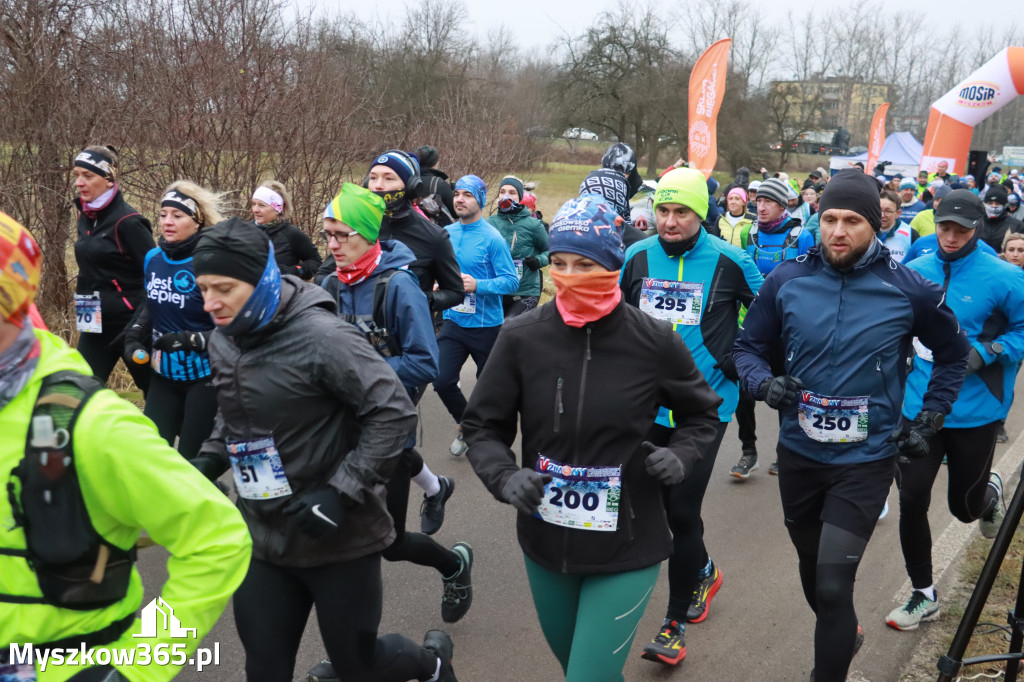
x=584 y=297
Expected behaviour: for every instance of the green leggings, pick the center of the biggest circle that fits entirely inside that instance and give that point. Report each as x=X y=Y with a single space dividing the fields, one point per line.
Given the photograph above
x=589 y=621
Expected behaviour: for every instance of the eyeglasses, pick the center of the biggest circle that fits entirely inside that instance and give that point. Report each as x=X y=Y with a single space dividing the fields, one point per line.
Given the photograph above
x=890 y=211
x=340 y=237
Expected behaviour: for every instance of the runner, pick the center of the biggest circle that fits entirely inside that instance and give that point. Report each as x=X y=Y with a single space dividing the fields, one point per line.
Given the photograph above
x=171 y=327
x=46 y=549
x=840 y=394
x=987 y=296
x=584 y=375
x=113 y=240
x=736 y=221
x=697 y=283
x=895 y=233
x=775 y=237
x=309 y=460
x=394 y=177
x=271 y=210
x=471 y=327
x=383 y=300
x=528 y=241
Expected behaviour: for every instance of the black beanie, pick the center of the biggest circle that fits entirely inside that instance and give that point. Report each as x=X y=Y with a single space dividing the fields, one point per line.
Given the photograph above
x=856 y=191
x=998 y=194
x=514 y=182
x=427 y=155
x=232 y=248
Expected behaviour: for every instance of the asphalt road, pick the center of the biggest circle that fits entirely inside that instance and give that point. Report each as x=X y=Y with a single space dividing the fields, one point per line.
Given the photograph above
x=759 y=628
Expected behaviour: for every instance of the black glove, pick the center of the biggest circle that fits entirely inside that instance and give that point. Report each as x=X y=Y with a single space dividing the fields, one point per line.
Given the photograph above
x=532 y=262
x=728 y=367
x=524 y=490
x=663 y=464
x=180 y=341
x=131 y=347
x=208 y=466
x=317 y=512
x=779 y=392
x=974 y=361
x=913 y=438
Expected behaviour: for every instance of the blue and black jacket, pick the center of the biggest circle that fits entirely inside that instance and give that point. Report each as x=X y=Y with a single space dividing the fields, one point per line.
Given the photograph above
x=987 y=296
x=846 y=334
x=407 y=314
x=730 y=279
x=174 y=304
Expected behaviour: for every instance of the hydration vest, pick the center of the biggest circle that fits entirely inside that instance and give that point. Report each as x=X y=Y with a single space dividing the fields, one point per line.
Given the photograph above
x=768 y=256
x=75 y=567
x=374 y=326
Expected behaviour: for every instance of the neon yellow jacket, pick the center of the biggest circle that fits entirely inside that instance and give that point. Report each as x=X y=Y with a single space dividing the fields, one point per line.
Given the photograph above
x=130 y=480
x=924 y=222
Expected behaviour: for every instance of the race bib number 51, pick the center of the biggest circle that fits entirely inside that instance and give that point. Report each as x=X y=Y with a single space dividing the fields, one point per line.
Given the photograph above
x=586 y=498
x=257 y=468
x=829 y=419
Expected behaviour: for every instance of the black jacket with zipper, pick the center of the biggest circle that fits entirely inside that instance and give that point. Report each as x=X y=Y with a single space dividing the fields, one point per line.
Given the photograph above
x=293 y=249
x=110 y=252
x=588 y=397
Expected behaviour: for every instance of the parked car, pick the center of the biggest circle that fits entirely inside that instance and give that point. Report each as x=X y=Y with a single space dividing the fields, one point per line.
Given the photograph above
x=580 y=134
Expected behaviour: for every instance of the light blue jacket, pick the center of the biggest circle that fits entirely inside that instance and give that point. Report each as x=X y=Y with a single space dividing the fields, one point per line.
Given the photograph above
x=987 y=296
x=483 y=254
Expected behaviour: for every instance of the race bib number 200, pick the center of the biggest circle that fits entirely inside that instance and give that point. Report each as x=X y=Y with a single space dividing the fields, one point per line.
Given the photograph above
x=675 y=302
x=586 y=498
x=829 y=419
x=257 y=468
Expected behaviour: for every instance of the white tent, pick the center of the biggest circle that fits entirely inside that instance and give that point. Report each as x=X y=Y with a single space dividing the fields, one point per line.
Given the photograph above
x=901 y=149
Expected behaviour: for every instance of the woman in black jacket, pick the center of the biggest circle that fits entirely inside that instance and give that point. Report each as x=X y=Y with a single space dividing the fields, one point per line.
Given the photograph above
x=113 y=240
x=585 y=375
x=294 y=250
x=311 y=421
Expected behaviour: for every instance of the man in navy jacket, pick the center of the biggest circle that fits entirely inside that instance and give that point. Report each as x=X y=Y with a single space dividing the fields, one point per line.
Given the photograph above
x=846 y=315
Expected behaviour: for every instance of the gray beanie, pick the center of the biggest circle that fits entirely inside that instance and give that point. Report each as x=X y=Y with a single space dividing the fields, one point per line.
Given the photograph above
x=776 y=190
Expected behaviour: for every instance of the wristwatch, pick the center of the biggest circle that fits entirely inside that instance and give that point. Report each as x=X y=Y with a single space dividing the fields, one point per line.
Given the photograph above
x=995 y=348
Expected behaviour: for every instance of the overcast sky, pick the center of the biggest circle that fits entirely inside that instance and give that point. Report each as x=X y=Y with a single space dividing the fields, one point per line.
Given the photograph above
x=537 y=24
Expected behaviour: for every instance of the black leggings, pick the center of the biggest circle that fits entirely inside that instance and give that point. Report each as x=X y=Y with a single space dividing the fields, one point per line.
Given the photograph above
x=272 y=607
x=829 y=557
x=969 y=456
x=101 y=356
x=182 y=409
x=683 y=503
x=746 y=423
x=415 y=548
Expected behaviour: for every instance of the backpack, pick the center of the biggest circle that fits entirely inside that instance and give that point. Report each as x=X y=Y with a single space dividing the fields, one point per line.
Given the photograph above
x=773 y=255
x=75 y=567
x=432 y=203
x=375 y=325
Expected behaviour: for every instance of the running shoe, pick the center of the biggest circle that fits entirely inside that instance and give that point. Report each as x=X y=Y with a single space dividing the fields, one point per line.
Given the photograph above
x=322 y=672
x=1001 y=437
x=702 y=596
x=668 y=646
x=458 y=446
x=440 y=643
x=990 y=523
x=918 y=608
x=773 y=469
x=458 y=589
x=857 y=644
x=746 y=466
x=432 y=508
x=885 y=511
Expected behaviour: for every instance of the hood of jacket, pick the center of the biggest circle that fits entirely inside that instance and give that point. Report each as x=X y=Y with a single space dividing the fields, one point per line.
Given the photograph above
x=394 y=255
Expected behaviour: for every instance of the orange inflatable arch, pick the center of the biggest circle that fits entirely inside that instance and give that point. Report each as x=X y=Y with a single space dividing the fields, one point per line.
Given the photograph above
x=954 y=115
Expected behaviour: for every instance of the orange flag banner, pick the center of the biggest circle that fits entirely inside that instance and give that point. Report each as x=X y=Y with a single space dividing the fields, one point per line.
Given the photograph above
x=707 y=87
x=877 y=138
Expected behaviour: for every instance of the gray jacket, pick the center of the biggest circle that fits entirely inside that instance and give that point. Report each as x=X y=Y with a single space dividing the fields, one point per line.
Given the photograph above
x=337 y=412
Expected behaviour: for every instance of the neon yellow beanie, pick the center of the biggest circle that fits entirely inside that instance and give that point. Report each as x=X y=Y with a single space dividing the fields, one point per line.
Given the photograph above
x=684 y=186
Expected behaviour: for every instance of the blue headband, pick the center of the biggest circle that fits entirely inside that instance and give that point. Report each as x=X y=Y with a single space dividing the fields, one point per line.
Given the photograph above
x=474 y=186
x=259 y=309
